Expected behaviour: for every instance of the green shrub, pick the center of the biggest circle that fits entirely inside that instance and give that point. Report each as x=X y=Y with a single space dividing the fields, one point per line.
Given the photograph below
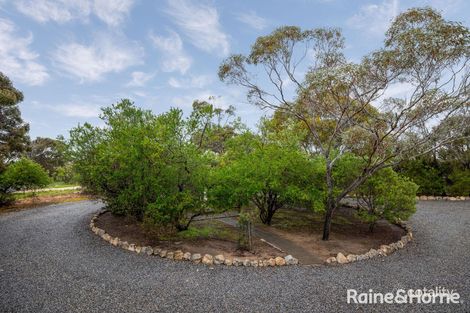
x=459 y=183
x=386 y=195
x=146 y=165
x=265 y=174
x=25 y=174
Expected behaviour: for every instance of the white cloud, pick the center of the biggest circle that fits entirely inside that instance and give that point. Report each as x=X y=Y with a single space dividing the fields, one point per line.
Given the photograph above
x=112 y=12
x=199 y=81
x=16 y=59
x=253 y=20
x=174 y=57
x=77 y=110
x=139 y=79
x=92 y=62
x=375 y=18
x=61 y=11
x=200 y=23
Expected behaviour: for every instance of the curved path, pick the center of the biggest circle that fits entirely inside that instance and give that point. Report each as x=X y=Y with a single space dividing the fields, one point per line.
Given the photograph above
x=51 y=262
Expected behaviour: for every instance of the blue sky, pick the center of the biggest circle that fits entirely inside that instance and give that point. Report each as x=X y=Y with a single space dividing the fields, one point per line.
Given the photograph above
x=71 y=57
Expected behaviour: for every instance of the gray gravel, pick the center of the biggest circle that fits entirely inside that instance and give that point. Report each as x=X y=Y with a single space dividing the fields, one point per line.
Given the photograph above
x=51 y=262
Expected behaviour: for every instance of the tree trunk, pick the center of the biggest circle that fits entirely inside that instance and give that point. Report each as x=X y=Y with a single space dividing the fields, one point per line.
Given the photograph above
x=267 y=210
x=330 y=202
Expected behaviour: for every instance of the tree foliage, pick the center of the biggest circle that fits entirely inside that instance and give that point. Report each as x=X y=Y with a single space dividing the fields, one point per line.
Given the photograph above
x=342 y=103
x=48 y=152
x=148 y=165
x=13 y=131
x=264 y=173
x=386 y=195
x=24 y=174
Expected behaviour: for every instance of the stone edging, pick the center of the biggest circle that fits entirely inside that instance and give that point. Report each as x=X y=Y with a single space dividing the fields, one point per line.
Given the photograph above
x=179 y=255
x=383 y=250
x=431 y=198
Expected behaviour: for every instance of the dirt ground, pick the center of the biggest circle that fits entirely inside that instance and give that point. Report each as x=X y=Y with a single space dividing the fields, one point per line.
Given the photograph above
x=42 y=200
x=222 y=238
x=348 y=234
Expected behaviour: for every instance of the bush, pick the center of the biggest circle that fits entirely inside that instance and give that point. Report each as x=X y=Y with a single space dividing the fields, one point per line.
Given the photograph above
x=386 y=195
x=459 y=183
x=265 y=174
x=146 y=165
x=25 y=174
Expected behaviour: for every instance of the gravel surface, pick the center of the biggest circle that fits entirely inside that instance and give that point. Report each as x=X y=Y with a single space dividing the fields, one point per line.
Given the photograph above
x=51 y=262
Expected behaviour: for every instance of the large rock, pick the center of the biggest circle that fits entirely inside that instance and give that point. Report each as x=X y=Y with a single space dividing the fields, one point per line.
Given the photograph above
x=196 y=258
x=163 y=253
x=178 y=255
x=254 y=263
x=170 y=255
x=272 y=262
x=131 y=247
x=351 y=258
x=147 y=250
x=341 y=259
x=207 y=259
x=386 y=249
x=187 y=256
x=100 y=232
x=246 y=262
x=237 y=261
x=228 y=261
x=219 y=259
x=138 y=249
x=280 y=261
x=290 y=260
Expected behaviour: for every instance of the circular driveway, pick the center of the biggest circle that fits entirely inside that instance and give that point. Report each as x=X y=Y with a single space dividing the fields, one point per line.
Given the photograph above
x=51 y=262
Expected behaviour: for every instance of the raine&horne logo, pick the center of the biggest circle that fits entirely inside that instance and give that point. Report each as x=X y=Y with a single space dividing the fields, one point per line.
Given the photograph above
x=437 y=295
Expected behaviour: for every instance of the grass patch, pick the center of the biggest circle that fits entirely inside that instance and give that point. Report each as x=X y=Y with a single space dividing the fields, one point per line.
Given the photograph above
x=61 y=185
x=26 y=195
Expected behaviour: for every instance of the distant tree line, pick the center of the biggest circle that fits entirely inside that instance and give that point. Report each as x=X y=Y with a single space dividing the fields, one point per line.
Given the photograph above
x=26 y=164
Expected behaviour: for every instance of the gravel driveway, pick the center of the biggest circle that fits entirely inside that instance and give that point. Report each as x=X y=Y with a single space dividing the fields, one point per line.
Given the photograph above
x=51 y=262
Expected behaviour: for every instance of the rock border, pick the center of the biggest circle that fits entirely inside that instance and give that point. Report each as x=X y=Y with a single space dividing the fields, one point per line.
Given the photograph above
x=383 y=250
x=180 y=255
x=445 y=198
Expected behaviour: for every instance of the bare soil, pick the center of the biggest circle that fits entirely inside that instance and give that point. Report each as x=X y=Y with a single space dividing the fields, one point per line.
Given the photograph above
x=348 y=234
x=42 y=200
x=221 y=240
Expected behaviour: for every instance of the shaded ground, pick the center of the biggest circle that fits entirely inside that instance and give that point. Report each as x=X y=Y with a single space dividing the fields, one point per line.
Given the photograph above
x=51 y=262
x=204 y=236
x=348 y=234
x=299 y=232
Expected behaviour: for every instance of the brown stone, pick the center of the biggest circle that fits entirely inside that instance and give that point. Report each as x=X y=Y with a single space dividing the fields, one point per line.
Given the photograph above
x=178 y=255
x=207 y=259
x=341 y=259
x=219 y=259
x=280 y=261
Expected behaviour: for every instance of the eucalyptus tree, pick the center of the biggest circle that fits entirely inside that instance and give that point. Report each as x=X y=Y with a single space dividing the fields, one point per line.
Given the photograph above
x=347 y=106
x=14 y=137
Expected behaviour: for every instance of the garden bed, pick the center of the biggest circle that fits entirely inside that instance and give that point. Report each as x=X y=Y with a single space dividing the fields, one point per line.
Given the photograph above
x=349 y=235
x=204 y=237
